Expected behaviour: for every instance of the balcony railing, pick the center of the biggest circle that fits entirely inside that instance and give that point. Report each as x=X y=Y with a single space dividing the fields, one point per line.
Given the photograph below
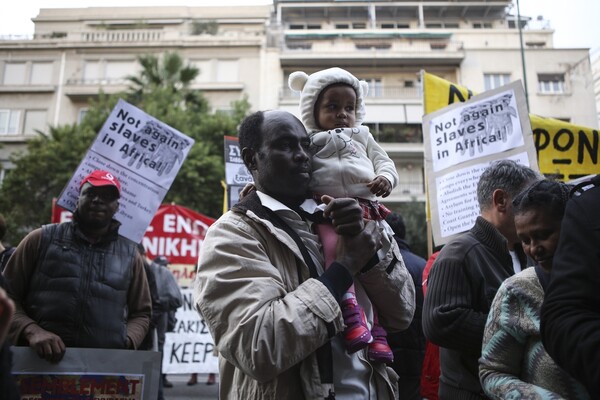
x=98 y=81
x=384 y=46
x=134 y=35
x=377 y=92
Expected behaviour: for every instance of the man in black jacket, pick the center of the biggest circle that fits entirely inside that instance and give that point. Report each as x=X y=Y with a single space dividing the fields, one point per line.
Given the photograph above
x=466 y=275
x=79 y=283
x=570 y=320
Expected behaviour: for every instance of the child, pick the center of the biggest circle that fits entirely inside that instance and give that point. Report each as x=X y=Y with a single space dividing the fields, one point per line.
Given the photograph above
x=347 y=162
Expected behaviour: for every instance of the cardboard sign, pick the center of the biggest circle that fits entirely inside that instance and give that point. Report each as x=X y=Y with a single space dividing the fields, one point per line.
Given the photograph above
x=85 y=374
x=565 y=151
x=190 y=347
x=144 y=154
x=236 y=173
x=461 y=140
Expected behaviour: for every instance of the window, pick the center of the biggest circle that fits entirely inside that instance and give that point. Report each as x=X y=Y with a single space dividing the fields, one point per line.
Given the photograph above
x=392 y=25
x=117 y=71
x=359 y=25
x=107 y=71
x=35 y=120
x=3 y=173
x=92 y=71
x=81 y=114
x=9 y=122
x=551 y=83
x=342 y=26
x=396 y=133
x=14 y=73
x=227 y=71
x=373 y=45
x=375 y=87
x=204 y=70
x=482 y=25
x=492 y=81
x=41 y=73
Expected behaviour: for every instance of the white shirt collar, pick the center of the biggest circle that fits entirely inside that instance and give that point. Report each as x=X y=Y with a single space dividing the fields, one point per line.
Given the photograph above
x=309 y=205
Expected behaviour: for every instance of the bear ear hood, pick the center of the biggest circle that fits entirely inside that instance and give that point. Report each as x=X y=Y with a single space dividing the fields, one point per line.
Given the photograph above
x=311 y=86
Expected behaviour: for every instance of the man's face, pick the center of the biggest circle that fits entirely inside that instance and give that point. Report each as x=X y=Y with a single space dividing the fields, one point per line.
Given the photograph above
x=97 y=205
x=336 y=107
x=282 y=164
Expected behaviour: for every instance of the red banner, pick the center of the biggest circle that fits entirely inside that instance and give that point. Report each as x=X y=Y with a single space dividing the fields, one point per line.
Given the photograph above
x=177 y=233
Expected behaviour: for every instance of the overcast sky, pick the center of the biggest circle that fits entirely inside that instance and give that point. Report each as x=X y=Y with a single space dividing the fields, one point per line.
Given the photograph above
x=575 y=21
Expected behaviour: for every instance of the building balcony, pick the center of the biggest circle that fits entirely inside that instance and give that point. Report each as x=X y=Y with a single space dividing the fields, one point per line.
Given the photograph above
x=82 y=89
x=137 y=38
x=375 y=93
x=28 y=88
x=327 y=49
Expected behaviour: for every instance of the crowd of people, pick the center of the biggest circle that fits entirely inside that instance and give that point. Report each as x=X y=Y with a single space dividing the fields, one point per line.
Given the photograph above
x=309 y=287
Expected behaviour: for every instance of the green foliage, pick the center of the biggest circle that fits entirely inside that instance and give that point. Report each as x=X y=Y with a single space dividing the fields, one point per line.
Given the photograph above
x=162 y=89
x=200 y=27
x=415 y=221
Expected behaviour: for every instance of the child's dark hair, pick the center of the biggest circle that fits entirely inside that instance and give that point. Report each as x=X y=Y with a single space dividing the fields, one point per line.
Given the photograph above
x=547 y=194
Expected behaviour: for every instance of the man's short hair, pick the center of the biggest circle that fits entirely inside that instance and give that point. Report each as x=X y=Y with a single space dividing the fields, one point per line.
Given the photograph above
x=396 y=222
x=506 y=175
x=250 y=131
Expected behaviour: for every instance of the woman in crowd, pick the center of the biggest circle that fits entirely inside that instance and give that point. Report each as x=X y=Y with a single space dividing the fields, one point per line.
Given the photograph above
x=514 y=363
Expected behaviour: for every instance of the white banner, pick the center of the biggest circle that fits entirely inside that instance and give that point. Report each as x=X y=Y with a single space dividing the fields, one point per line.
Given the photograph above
x=190 y=347
x=144 y=154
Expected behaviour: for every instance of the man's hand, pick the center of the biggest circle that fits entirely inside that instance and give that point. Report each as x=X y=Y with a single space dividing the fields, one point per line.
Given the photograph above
x=47 y=345
x=355 y=251
x=380 y=186
x=346 y=215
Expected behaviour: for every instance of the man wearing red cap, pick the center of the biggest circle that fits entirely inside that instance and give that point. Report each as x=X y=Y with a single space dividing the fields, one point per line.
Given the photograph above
x=79 y=283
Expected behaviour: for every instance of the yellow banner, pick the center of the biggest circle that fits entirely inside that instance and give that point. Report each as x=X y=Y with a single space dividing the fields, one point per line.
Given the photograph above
x=564 y=150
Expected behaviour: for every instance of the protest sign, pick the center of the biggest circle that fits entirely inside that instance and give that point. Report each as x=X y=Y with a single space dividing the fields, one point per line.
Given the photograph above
x=565 y=151
x=84 y=374
x=177 y=233
x=144 y=154
x=236 y=173
x=189 y=348
x=460 y=141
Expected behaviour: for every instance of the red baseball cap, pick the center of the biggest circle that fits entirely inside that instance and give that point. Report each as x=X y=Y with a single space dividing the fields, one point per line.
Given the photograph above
x=101 y=178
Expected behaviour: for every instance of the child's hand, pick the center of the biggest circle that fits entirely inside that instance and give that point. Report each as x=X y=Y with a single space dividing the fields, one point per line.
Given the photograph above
x=380 y=186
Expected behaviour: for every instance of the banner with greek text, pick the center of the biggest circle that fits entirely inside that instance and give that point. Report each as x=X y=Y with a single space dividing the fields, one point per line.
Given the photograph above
x=190 y=347
x=565 y=151
x=144 y=154
x=177 y=233
x=460 y=141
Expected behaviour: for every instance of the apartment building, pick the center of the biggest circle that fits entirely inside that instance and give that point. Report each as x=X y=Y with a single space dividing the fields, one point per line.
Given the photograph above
x=250 y=51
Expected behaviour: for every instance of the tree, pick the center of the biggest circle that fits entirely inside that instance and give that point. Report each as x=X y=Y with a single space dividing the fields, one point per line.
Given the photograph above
x=161 y=89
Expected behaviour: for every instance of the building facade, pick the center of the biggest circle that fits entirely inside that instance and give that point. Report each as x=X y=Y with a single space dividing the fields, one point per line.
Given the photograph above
x=250 y=51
